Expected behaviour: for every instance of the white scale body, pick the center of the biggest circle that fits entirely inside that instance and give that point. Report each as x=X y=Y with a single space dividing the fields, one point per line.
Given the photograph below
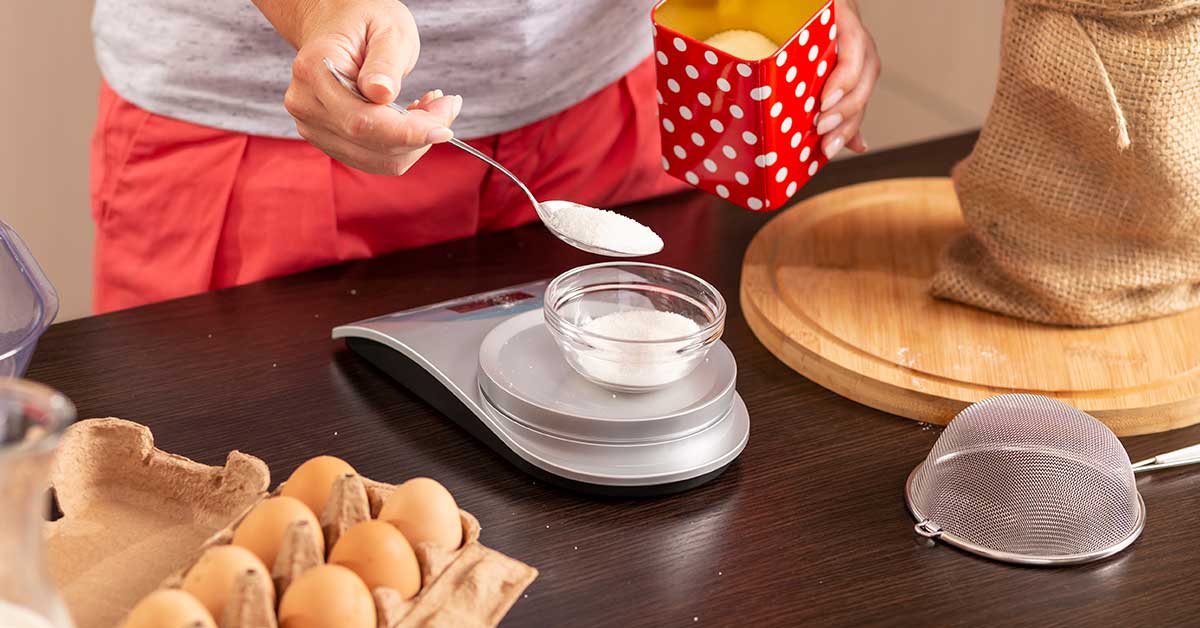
x=488 y=363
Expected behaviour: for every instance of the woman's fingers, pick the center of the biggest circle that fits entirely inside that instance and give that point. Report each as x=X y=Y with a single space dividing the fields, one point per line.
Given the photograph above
x=846 y=93
x=842 y=123
x=376 y=44
x=391 y=55
x=851 y=56
x=363 y=159
x=375 y=127
x=858 y=144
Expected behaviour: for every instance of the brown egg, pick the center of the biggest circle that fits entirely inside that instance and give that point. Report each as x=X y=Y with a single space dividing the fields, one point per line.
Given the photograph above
x=425 y=512
x=327 y=596
x=312 y=481
x=380 y=555
x=213 y=578
x=169 y=608
x=263 y=529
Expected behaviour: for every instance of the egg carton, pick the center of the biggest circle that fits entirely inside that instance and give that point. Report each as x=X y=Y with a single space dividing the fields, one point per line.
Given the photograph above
x=129 y=514
x=470 y=586
x=133 y=518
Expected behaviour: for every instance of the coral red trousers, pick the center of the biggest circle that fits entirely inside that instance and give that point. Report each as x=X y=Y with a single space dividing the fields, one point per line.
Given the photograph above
x=181 y=208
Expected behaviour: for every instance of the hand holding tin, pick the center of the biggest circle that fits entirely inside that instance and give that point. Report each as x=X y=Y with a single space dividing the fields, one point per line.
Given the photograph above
x=844 y=99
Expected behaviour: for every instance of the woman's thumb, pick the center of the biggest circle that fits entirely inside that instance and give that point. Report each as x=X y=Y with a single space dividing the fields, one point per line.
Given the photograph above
x=385 y=66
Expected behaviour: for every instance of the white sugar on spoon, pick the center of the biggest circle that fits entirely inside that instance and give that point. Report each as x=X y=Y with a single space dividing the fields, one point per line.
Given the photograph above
x=595 y=230
x=600 y=228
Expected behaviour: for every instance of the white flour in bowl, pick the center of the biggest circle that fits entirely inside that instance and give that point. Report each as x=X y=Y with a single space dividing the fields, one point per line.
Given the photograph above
x=638 y=366
x=602 y=228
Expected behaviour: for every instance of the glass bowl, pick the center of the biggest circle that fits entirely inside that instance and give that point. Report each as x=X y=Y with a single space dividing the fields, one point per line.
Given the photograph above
x=28 y=303
x=633 y=327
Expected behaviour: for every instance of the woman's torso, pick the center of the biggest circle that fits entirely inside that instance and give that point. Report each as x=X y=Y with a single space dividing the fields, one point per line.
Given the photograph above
x=221 y=64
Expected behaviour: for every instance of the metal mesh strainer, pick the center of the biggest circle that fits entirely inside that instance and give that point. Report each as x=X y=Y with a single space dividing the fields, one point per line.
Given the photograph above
x=1027 y=479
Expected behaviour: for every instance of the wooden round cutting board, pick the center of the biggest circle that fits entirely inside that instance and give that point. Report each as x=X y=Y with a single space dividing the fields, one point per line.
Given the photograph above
x=837 y=287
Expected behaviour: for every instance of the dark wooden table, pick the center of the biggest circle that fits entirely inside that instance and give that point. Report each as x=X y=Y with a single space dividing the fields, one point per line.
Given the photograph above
x=807 y=527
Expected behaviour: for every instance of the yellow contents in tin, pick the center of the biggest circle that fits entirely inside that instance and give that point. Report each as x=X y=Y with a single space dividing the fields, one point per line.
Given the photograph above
x=749 y=45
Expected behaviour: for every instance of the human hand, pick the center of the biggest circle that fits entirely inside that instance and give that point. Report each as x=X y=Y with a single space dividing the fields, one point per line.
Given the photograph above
x=374 y=42
x=844 y=99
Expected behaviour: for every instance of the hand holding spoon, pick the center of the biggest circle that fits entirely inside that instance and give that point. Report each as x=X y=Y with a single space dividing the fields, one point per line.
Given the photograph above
x=586 y=228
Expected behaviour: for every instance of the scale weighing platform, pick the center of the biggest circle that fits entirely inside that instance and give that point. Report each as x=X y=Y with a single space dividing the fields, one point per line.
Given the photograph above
x=488 y=362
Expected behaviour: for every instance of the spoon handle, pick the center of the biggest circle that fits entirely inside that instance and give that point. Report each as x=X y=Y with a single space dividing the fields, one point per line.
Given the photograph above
x=353 y=88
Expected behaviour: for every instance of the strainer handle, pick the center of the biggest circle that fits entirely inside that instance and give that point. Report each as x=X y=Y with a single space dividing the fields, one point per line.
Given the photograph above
x=928 y=529
x=1177 y=458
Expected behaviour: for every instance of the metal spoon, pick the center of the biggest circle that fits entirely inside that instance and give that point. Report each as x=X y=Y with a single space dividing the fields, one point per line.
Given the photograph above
x=544 y=213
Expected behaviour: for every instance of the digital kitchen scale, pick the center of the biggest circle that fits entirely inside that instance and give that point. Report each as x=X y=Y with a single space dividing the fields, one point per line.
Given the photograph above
x=489 y=363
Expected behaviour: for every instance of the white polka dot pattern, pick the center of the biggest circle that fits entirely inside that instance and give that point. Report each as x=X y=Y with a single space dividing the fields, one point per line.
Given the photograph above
x=740 y=129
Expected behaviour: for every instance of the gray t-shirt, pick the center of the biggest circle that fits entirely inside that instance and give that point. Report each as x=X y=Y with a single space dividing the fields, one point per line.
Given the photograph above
x=220 y=63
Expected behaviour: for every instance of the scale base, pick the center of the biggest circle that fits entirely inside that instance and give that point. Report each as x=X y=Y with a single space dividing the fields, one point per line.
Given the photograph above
x=427 y=387
x=489 y=364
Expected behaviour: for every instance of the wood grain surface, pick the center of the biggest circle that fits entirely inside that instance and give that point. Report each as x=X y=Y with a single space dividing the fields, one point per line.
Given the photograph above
x=808 y=527
x=838 y=288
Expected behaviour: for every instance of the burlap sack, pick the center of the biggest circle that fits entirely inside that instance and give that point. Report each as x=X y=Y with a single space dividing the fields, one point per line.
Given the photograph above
x=1083 y=192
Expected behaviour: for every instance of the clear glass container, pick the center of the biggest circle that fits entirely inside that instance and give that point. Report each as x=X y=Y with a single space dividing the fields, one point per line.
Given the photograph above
x=32 y=418
x=633 y=327
x=28 y=303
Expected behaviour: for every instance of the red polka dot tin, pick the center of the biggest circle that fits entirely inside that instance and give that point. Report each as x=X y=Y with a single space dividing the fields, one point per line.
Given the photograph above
x=742 y=129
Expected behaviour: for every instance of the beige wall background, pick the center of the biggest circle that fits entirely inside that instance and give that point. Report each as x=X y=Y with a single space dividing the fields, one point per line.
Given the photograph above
x=940 y=59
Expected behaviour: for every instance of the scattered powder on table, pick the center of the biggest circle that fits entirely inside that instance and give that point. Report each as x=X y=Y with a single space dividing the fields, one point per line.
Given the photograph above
x=600 y=227
x=638 y=365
